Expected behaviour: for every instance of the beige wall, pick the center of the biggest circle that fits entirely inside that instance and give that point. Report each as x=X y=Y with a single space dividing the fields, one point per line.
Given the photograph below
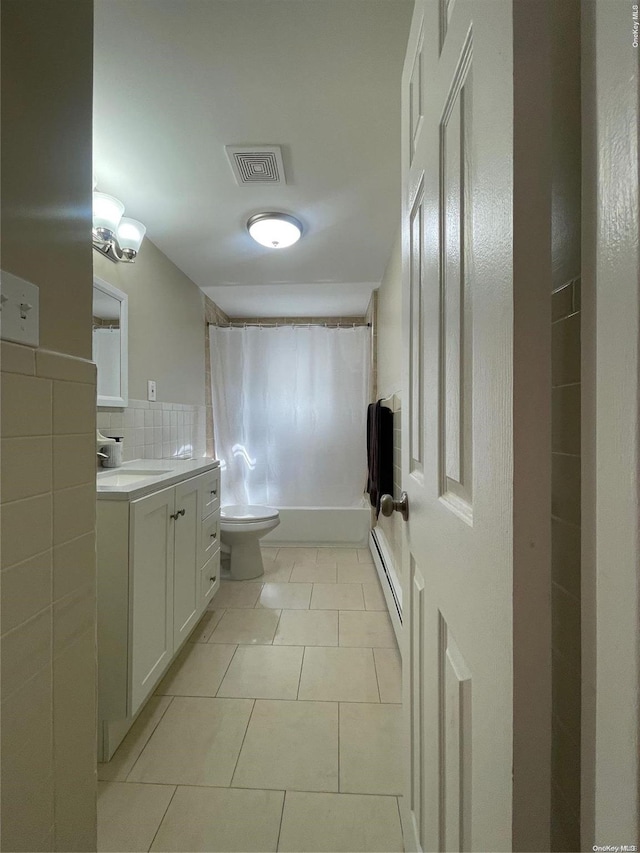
x=166 y=325
x=47 y=61
x=566 y=444
x=389 y=331
x=388 y=356
x=48 y=749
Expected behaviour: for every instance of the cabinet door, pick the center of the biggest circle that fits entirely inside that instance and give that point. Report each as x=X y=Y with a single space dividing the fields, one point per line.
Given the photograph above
x=150 y=593
x=186 y=577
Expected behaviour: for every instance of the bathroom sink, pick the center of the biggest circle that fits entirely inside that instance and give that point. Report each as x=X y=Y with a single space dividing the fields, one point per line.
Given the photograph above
x=130 y=475
x=145 y=472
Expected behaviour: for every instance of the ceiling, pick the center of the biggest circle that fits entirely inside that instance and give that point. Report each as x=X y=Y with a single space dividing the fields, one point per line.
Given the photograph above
x=177 y=80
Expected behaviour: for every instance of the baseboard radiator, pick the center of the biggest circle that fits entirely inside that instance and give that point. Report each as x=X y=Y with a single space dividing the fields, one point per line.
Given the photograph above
x=388 y=575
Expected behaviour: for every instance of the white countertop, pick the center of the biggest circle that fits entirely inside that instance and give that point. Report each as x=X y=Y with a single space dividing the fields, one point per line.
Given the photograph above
x=141 y=477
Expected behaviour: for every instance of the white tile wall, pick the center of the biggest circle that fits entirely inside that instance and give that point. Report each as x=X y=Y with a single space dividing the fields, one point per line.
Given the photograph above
x=156 y=430
x=48 y=603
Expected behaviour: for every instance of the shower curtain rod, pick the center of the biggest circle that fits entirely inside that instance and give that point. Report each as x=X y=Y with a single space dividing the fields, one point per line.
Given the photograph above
x=265 y=325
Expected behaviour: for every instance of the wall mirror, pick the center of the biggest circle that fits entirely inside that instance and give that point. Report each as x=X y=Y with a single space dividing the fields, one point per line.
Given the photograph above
x=110 y=343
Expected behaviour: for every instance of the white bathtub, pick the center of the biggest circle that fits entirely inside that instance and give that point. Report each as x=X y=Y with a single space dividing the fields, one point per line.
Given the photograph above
x=312 y=525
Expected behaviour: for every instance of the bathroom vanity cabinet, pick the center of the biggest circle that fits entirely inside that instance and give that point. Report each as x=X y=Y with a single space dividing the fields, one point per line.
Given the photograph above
x=158 y=568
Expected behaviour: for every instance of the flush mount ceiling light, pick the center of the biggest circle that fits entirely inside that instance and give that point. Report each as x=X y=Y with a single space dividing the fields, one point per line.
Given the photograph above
x=274 y=230
x=117 y=237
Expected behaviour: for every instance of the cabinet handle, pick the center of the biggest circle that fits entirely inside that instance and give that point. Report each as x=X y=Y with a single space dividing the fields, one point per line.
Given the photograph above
x=212 y=579
x=176 y=515
x=214 y=491
x=213 y=535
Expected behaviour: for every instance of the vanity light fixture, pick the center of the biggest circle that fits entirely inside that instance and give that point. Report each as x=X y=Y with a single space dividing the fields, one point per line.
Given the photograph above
x=274 y=230
x=117 y=237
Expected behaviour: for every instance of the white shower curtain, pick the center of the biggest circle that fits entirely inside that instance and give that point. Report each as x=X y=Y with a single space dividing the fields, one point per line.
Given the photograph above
x=289 y=413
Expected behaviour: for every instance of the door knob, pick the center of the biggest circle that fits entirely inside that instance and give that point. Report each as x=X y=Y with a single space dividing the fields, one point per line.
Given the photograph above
x=388 y=505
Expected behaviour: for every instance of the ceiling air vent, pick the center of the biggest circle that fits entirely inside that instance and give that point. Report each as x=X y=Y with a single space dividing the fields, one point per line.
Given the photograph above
x=256 y=165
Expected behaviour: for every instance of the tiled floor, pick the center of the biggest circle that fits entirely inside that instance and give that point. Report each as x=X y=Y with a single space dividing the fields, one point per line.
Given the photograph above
x=278 y=726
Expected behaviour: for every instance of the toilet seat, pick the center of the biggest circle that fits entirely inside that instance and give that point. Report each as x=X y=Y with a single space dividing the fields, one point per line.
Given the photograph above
x=247 y=514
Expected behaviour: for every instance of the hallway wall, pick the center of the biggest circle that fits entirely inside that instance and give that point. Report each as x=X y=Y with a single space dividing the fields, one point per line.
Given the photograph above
x=48 y=650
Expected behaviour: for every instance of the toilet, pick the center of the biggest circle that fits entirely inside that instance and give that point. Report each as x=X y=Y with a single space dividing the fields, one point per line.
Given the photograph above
x=242 y=528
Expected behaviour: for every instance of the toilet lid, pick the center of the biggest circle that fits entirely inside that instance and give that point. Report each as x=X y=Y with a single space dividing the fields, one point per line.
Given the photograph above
x=241 y=514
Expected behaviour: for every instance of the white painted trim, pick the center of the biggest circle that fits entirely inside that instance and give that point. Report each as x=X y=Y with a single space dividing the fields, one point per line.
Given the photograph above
x=610 y=765
x=409 y=829
x=391 y=589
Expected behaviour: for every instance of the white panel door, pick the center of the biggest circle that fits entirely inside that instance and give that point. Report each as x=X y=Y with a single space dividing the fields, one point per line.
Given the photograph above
x=150 y=593
x=476 y=431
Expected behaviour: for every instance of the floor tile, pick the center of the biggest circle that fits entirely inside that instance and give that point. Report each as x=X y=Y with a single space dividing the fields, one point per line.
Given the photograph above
x=290 y=745
x=307 y=628
x=269 y=553
x=389 y=671
x=341 y=555
x=196 y=743
x=367 y=629
x=339 y=765
x=338 y=675
x=314 y=573
x=129 y=815
x=331 y=596
x=127 y=753
x=298 y=555
x=205 y=627
x=357 y=573
x=373 y=596
x=197 y=671
x=370 y=748
x=277 y=571
x=249 y=627
x=282 y=596
x=263 y=672
x=340 y=823
x=221 y=819
x=236 y=594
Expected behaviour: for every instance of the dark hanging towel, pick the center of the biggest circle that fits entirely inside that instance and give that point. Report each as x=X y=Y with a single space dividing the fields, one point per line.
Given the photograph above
x=379 y=453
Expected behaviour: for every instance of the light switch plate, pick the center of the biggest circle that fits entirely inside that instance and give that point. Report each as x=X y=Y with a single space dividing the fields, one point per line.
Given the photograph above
x=151 y=390
x=19 y=310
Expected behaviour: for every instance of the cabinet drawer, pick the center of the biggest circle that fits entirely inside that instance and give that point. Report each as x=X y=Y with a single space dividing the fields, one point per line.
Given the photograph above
x=209 y=537
x=210 y=577
x=209 y=492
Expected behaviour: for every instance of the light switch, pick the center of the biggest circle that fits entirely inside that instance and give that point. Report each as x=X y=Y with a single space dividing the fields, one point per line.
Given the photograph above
x=151 y=390
x=19 y=310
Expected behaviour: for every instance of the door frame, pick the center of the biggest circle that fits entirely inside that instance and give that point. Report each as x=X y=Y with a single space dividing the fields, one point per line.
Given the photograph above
x=610 y=445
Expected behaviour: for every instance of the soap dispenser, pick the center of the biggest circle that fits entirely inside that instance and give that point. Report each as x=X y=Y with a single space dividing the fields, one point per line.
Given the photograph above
x=109 y=450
